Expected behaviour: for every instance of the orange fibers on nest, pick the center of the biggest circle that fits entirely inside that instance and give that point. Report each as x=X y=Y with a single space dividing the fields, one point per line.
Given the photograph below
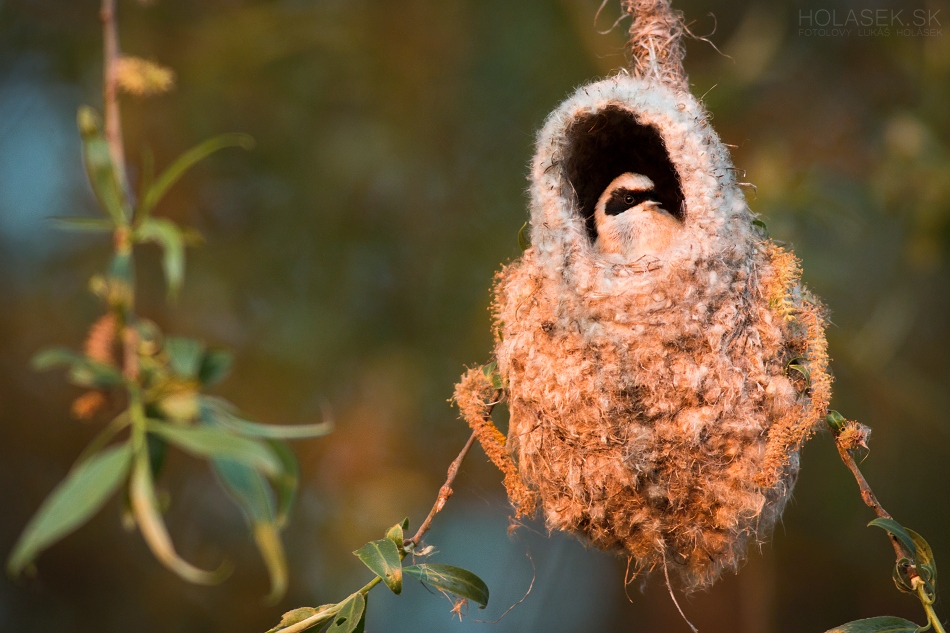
x=657 y=406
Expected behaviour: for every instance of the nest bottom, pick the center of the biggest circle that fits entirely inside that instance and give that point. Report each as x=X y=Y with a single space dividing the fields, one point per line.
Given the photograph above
x=676 y=443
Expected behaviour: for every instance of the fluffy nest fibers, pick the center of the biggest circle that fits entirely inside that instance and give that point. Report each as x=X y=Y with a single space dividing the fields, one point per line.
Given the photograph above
x=657 y=406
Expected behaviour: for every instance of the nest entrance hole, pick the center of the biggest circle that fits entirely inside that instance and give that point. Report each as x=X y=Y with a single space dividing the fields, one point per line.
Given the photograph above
x=604 y=144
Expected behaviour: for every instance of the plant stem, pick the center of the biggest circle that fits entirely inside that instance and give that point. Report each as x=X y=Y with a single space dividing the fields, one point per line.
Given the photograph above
x=444 y=493
x=868 y=495
x=110 y=99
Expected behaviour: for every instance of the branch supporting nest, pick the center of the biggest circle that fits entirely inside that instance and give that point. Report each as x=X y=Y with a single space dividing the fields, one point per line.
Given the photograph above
x=655 y=43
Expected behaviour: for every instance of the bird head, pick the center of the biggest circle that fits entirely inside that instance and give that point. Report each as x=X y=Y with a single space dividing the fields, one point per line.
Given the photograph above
x=630 y=220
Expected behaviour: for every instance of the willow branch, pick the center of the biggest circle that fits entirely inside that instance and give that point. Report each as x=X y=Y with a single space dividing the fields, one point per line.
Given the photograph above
x=110 y=97
x=444 y=492
x=850 y=437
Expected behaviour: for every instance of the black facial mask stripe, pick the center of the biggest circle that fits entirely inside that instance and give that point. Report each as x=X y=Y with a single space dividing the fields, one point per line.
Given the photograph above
x=616 y=204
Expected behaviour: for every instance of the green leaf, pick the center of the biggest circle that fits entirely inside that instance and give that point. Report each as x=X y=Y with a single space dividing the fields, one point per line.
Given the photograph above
x=294 y=616
x=896 y=529
x=361 y=625
x=215 y=366
x=524 y=241
x=883 y=624
x=455 y=580
x=185 y=356
x=247 y=488
x=102 y=174
x=148 y=171
x=761 y=225
x=491 y=374
x=145 y=509
x=798 y=364
x=83 y=225
x=79 y=496
x=207 y=441
x=267 y=538
x=184 y=162
x=56 y=357
x=285 y=483
x=347 y=619
x=925 y=556
x=397 y=534
x=222 y=412
x=83 y=371
x=382 y=558
x=297 y=616
x=835 y=421
x=169 y=236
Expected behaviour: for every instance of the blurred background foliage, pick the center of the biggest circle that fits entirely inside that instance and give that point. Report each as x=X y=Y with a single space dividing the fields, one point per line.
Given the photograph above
x=348 y=263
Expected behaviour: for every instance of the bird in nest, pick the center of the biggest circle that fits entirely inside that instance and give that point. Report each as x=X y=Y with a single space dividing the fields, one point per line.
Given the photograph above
x=630 y=220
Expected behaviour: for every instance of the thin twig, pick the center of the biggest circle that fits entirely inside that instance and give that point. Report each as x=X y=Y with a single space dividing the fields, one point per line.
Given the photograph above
x=110 y=98
x=444 y=492
x=844 y=446
x=867 y=494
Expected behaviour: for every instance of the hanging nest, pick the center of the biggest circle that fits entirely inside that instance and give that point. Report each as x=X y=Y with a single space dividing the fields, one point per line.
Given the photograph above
x=657 y=406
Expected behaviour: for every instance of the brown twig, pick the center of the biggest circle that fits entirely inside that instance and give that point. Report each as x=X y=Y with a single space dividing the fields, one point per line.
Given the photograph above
x=110 y=98
x=444 y=492
x=845 y=444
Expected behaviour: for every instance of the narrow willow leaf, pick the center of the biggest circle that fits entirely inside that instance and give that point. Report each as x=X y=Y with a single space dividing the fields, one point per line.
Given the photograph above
x=145 y=509
x=347 y=619
x=56 y=357
x=926 y=565
x=361 y=625
x=297 y=616
x=215 y=366
x=79 y=496
x=798 y=364
x=222 y=412
x=207 y=441
x=271 y=548
x=184 y=162
x=883 y=624
x=148 y=171
x=382 y=558
x=524 y=243
x=166 y=234
x=286 y=482
x=185 y=356
x=925 y=555
x=83 y=371
x=83 y=225
x=103 y=176
x=895 y=528
x=397 y=534
x=247 y=488
x=455 y=580
x=294 y=616
x=761 y=225
x=157 y=451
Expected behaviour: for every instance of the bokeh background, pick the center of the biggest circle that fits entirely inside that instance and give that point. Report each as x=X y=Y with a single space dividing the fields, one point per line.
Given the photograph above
x=348 y=262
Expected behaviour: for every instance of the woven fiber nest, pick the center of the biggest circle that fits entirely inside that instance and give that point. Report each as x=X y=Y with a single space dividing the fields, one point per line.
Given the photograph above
x=657 y=405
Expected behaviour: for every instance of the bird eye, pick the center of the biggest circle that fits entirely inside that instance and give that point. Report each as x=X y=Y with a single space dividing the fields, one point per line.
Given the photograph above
x=628 y=199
